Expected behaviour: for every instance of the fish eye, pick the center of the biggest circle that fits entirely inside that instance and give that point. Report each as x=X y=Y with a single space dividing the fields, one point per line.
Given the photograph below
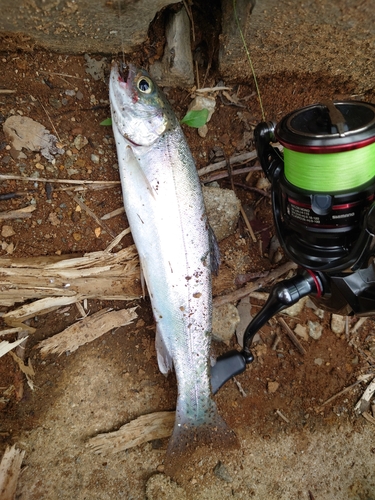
x=145 y=85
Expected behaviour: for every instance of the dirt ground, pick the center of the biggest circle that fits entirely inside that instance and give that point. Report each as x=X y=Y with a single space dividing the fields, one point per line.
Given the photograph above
x=291 y=445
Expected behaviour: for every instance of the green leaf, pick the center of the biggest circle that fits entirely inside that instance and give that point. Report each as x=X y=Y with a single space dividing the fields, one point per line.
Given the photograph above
x=196 y=119
x=107 y=122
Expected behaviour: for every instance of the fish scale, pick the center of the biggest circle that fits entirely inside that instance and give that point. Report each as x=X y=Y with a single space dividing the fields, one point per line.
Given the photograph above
x=165 y=208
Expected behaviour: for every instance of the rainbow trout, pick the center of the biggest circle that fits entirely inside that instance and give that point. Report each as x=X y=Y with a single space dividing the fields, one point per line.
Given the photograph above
x=165 y=209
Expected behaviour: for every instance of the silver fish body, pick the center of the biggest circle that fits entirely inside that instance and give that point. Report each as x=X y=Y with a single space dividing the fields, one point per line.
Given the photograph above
x=165 y=209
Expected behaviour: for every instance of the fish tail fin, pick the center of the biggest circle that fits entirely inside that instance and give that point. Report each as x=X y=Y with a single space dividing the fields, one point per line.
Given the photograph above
x=188 y=437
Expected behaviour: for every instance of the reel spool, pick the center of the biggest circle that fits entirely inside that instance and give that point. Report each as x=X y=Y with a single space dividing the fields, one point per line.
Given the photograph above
x=324 y=185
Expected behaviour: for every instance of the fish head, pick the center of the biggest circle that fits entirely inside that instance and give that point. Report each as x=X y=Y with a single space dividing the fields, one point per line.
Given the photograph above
x=140 y=110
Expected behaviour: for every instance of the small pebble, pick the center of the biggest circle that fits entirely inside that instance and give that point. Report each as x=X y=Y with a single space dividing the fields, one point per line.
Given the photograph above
x=315 y=330
x=222 y=473
x=80 y=141
x=95 y=159
x=338 y=323
x=301 y=331
x=77 y=236
x=7 y=231
x=318 y=361
x=225 y=319
x=272 y=387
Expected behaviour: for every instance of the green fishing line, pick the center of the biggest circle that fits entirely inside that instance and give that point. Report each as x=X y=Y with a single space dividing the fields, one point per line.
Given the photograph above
x=249 y=59
x=330 y=172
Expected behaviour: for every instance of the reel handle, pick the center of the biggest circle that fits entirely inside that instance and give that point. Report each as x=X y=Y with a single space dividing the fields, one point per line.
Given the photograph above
x=283 y=295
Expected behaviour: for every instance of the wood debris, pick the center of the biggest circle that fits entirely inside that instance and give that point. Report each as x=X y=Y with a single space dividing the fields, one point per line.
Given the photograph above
x=156 y=425
x=21 y=213
x=10 y=467
x=254 y=286
x=361 y=378
x=368 y=417
x=241 y=158
x=28 y=370
x=292 y=337
x=6 y=346
x=57 y=281
x=282 y=416
x=364 y=403
x=86 y=330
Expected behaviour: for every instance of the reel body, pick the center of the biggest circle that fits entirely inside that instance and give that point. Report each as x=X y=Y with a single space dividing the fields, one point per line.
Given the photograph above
x=323 y=192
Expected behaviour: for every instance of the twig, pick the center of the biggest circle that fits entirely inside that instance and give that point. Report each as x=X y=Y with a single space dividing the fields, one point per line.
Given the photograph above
x=238 y=171
x=281 y=415
x=114 y=213
x=189 y=13
x=368 y=417
x=364 y=402
x=49 y=118
x=11 y=177
x=241 y=279
x=252 y=287
x=253 y=188
x=6 y=91
x=240 y=388
x=292 y=337
x=212 y=89
x=251 y=155
x=59 y=74
x=248 y=225
x=91 y=214
x=358 y=325
x=20 y=213
x=345 y=390
x=275 y=342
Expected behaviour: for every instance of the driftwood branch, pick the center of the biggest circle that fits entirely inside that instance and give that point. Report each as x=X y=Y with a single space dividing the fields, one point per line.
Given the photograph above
x=87 y=330
x=57 y=281
x=292 y=337
x=254 y=286
x=241 y=158
x=10 y=468
x=141 y=430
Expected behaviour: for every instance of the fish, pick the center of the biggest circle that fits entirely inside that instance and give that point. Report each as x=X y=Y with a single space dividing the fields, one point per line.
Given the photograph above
x=165 y=209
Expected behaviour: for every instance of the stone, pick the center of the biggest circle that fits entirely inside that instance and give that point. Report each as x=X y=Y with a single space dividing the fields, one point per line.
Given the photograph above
x=176 y=67
x=225 y=319
x=338 y=323
x=223 y=210
x=97 y=26
x=301 y=331
x=275 y=32
x=272 y=387
x=296 y=308
x=244 y=312
x=7 y=231
x=315 y=330
x=80 y=142
x=222 y=473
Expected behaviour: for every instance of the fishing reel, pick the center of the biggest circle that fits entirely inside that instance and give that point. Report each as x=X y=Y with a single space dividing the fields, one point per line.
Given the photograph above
x=323 y=203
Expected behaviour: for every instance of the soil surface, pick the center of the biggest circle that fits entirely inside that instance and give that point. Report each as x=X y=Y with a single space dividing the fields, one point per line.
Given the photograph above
x=291 y=445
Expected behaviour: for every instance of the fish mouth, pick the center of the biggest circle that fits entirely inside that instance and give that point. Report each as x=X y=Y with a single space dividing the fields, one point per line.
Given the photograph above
x=124 y=71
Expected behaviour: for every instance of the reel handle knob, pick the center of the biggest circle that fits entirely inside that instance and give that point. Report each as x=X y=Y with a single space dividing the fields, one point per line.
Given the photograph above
x=283 y=295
